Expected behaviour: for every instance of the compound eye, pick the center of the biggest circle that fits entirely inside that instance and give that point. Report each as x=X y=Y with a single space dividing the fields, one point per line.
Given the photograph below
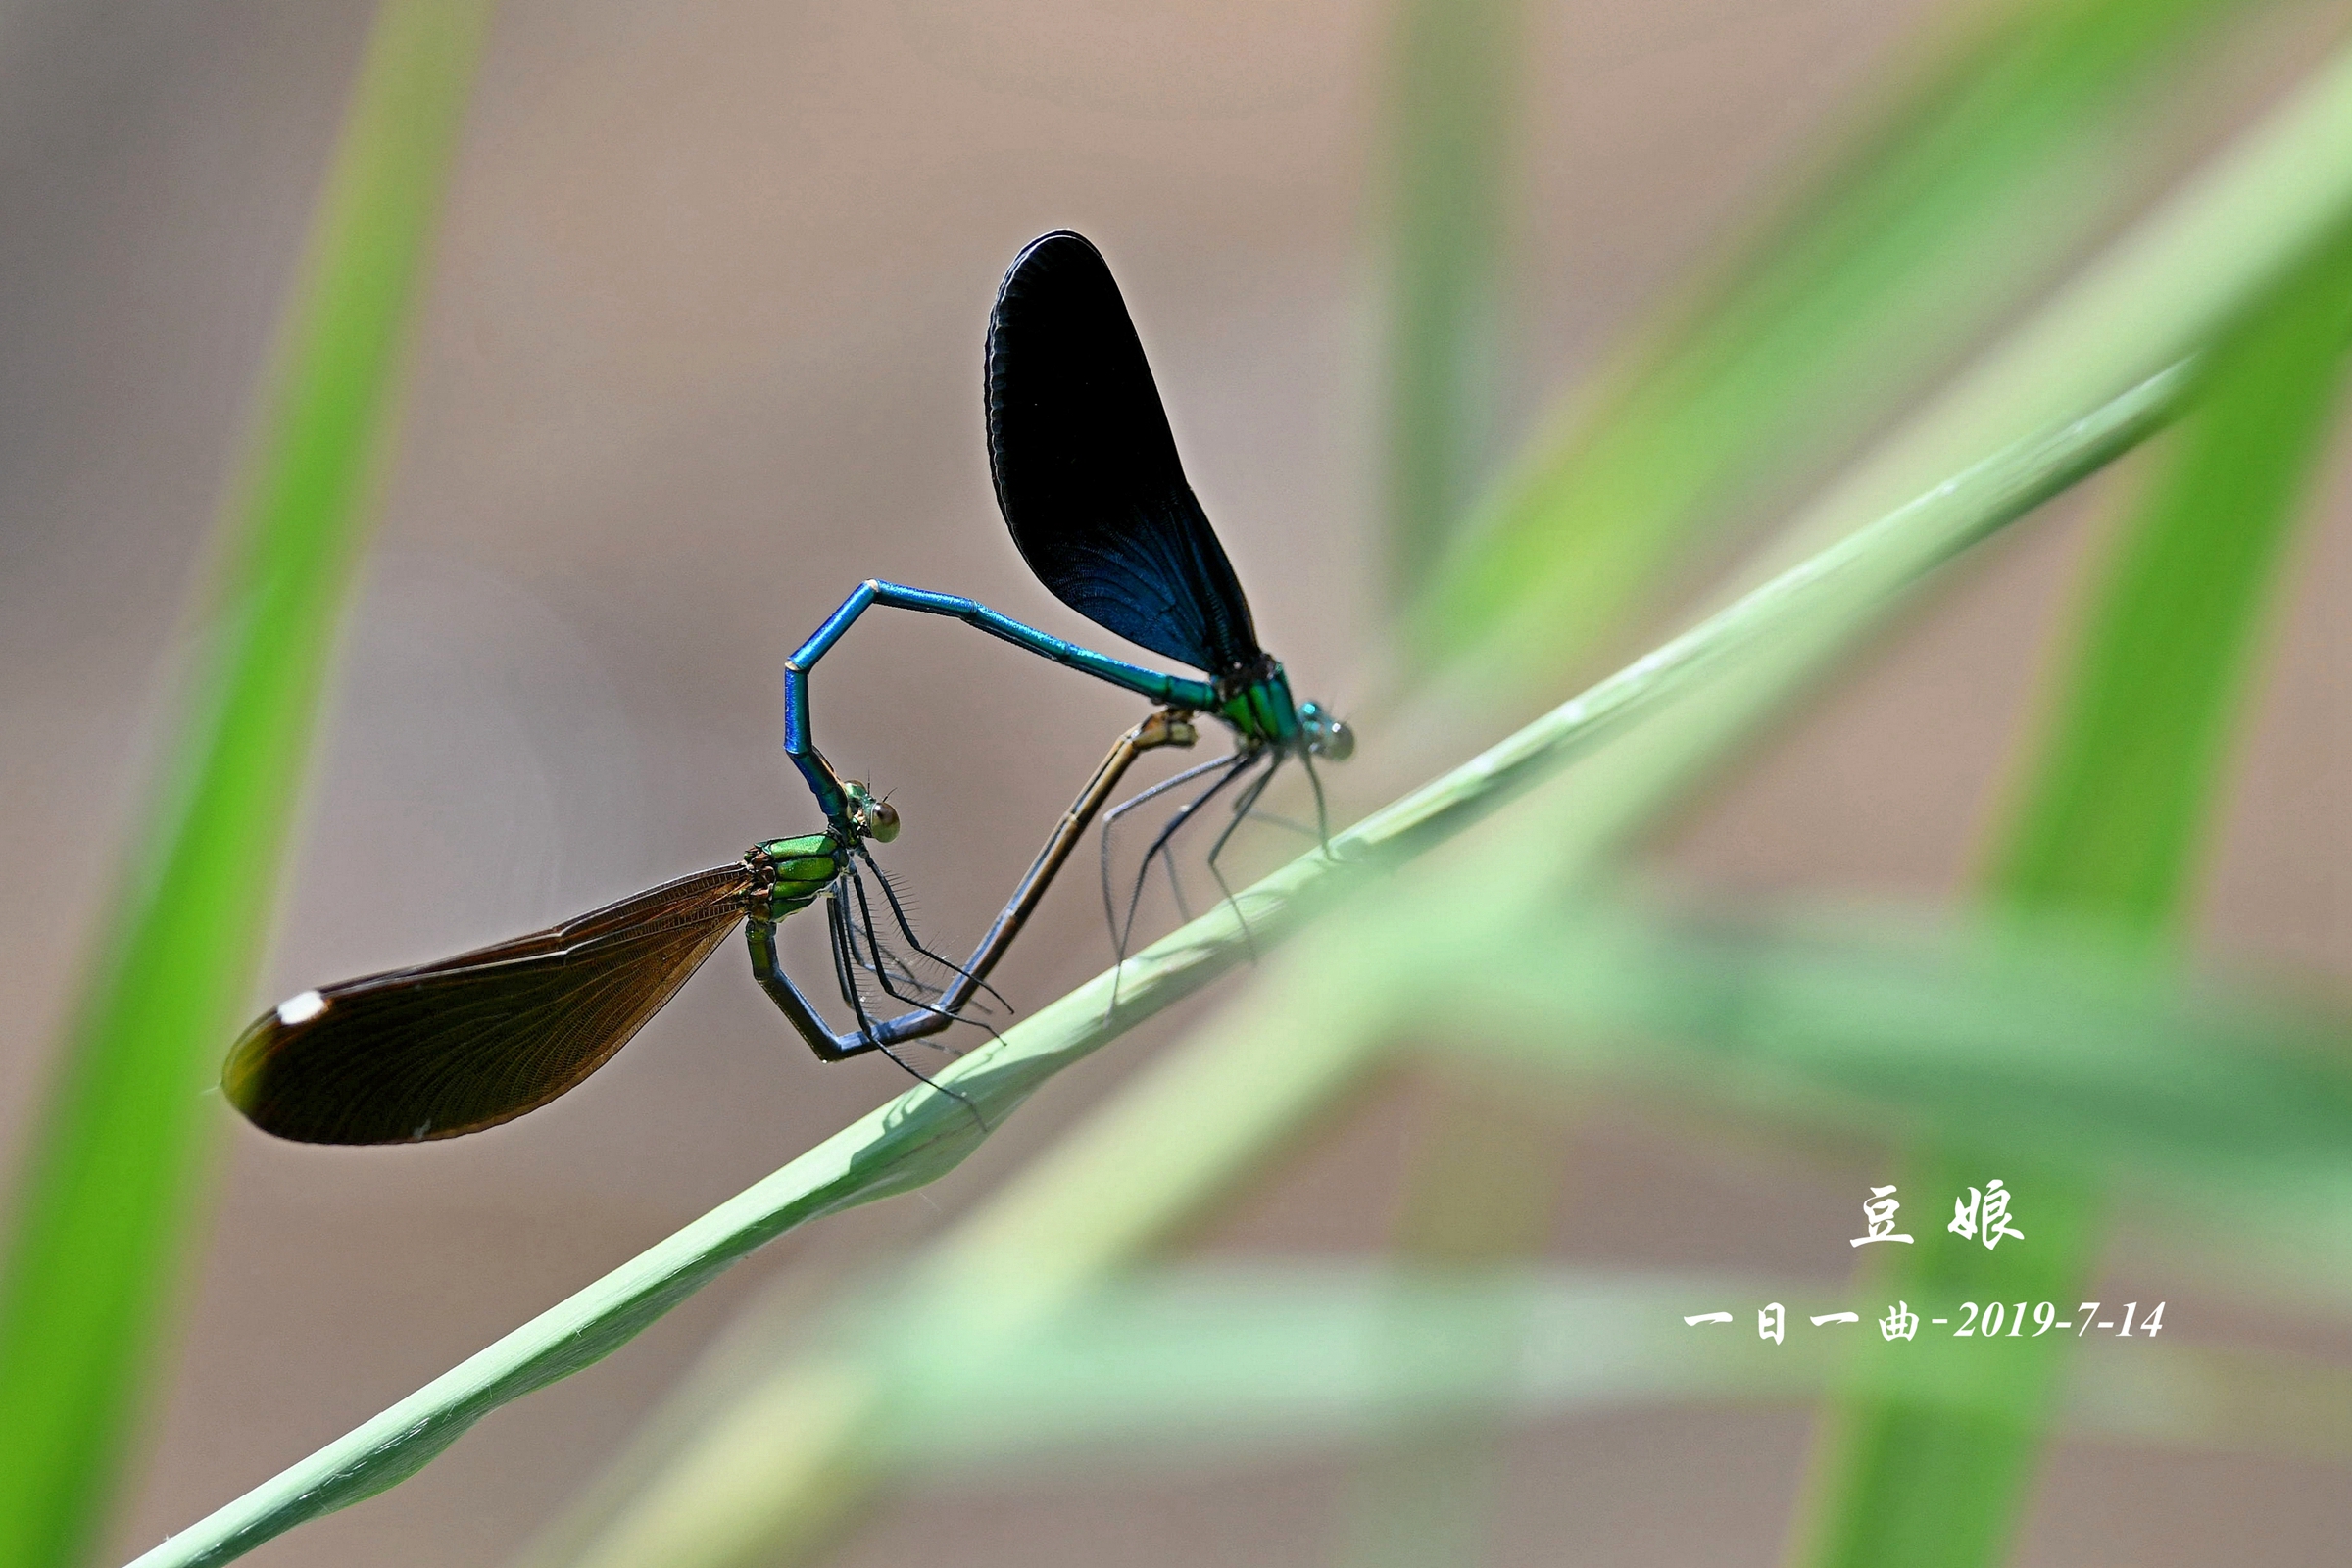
x=1331 y=737
x=881 y=821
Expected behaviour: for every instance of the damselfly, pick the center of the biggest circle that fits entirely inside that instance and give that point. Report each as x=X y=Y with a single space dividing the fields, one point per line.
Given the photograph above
x=1088 y=480
x=479 y=1039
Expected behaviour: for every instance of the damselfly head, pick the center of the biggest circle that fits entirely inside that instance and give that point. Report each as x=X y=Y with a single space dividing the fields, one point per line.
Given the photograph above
x=1328 y=735
x=876 y=819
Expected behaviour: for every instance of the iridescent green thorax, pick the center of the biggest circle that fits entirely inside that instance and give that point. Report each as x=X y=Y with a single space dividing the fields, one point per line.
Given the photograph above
x=793 y=872
x=1259 y=707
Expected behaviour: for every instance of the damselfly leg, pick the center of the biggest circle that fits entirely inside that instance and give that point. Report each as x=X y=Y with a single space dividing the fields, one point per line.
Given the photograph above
x=1240 y=814
x=1246 y=808
x=1110 y=822
x=845 y=969
x=1235 y=767
x=899 y=917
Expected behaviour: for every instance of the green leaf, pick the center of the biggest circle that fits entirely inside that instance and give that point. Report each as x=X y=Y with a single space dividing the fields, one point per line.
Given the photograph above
x=1223 y=1365
x=117 y=1163
x=2113 y=824
x=1218 y=1365
x=1453 y=97
x=2118 y=818
x=1938 y=219
x=2000 y=1041
x=1480 y=1192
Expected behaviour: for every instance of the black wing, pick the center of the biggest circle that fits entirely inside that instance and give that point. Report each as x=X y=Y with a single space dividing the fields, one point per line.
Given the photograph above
x=1086 y=469
x=472 y=1041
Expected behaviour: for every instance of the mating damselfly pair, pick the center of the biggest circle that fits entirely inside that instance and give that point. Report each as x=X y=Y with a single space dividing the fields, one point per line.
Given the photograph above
x=1089 y=482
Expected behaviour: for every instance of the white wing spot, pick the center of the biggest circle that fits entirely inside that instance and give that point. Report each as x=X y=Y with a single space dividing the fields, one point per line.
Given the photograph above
x=301 y=1010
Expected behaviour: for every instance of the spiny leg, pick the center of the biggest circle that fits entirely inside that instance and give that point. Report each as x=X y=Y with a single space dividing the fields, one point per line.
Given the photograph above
x=916 y=1002
x=845 y=971
x=846 y=966
x=895 y=974
x=931 y=1083
x=1321 y=831
x=1240 y=813
x=1322 y=809
x=874 y=961
x=1166 y=847
x=1184 y=906
x=873 y=938
x=1111 y=820
x=888 y=960
x=1239 y=763
x=1120 y=934
x=837 y=920
x=887 y=965
x=898 y=914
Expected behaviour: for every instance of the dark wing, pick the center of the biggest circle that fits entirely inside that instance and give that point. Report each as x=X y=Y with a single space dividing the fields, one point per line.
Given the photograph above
x=479 y=1039
x=1086 y=469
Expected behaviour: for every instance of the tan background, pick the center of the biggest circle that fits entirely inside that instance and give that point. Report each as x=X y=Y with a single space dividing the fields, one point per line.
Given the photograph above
x=702 y=351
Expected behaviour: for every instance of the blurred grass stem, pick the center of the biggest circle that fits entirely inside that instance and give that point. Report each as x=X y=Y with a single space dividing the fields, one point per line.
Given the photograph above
x=115 y=1168
x=2114 y=821
x=1454 y=96
x=1956 y=202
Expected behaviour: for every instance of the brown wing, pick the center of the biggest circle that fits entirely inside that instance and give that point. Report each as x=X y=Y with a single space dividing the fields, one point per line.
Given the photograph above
x=472 y=1041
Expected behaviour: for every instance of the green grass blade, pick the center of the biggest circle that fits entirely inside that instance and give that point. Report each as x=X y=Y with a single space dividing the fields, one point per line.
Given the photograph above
x=1453 y=94
x=2006 y=1041
x=1480 y=1192
x=2118 y=816
x=1225 y=1364
x=2185 y=275
x=1213 y=1365
x=115 y=1167
x=1945 y=214
x=1454 y=99
x=2113 y=824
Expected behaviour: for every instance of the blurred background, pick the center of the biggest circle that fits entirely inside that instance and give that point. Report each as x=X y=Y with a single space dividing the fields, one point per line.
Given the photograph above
x=698 y=351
